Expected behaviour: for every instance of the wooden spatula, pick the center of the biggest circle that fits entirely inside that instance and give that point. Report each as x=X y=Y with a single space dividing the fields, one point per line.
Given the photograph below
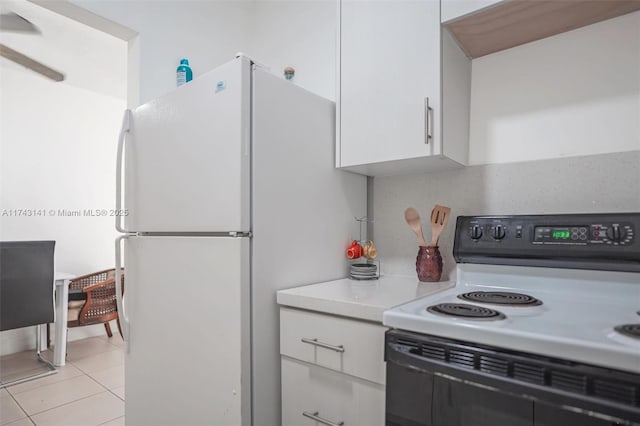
x=439 y=219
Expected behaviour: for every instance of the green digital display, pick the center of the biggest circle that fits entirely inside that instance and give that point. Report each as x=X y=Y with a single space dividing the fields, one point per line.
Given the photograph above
x=560 y=234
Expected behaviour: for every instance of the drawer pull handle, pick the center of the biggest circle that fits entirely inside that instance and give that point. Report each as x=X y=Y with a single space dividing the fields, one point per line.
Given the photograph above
x=315 y=342
x=317 y=418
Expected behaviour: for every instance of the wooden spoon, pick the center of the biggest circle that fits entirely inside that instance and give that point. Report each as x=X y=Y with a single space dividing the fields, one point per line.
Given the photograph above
x=412 y=217
x=439 y=219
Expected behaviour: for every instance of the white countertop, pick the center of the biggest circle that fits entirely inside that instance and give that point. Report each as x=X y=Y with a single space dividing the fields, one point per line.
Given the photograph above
x=365 y=300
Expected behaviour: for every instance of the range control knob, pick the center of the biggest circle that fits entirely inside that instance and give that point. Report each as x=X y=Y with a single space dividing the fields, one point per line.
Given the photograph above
x=615 y=234
x=498 y=232
x=476 y=232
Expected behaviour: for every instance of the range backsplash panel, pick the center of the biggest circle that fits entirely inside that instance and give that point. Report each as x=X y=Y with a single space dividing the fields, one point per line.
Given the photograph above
x=587 y=184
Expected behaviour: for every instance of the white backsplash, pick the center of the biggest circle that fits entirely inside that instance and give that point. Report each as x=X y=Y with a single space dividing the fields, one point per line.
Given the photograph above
x=589 y=184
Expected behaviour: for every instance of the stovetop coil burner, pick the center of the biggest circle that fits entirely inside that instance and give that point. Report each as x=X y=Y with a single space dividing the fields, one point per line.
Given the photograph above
x=629 y=330
x=501 y=298
x=463 y=310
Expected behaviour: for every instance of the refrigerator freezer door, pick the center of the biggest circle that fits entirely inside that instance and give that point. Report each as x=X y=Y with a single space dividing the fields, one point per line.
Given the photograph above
x=186 y=160
x=187 y=299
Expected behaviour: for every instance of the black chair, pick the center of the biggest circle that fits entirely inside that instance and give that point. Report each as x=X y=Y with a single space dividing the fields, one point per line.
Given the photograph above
x=27 y=291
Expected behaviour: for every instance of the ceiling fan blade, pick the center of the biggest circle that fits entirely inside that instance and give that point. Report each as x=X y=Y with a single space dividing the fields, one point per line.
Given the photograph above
x=14 y=22
x=33 y=65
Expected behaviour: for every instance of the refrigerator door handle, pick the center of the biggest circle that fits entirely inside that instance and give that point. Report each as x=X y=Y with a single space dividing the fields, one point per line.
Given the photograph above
x=126 y=126
x=122 y=313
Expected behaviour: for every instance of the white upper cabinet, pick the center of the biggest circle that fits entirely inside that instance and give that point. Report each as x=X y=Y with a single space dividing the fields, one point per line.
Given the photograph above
x=393 y=65
x=452 y=9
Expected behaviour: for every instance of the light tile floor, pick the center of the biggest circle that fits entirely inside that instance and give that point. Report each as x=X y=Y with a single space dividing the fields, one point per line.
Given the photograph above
x=88 y=391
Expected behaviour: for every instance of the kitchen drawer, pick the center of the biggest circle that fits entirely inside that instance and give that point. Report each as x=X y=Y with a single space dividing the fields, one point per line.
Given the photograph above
x=334 y=396
x=362 y=343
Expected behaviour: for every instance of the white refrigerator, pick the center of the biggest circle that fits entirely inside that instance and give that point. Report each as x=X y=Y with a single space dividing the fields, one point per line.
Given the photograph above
x=229 y=193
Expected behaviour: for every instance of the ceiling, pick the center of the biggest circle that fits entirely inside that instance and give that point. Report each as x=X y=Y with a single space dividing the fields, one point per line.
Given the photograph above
x=90 y=59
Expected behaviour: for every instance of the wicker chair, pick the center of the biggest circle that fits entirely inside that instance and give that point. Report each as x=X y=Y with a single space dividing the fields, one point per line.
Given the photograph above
x=92 y=300
x=100 y=305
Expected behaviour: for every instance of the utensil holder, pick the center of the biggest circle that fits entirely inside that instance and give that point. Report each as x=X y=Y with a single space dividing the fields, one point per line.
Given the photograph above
x=429 y=264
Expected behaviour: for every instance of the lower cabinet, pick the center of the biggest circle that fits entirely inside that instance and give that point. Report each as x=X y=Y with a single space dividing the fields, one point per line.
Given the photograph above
x=313 y=395
x=333 y=370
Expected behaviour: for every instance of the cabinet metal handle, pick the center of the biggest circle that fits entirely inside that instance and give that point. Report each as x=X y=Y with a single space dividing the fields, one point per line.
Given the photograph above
x=315 y=342
x=317 y=418
x=428 y=125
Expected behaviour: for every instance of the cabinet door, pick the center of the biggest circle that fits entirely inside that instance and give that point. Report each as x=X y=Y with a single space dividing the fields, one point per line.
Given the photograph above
x=460 y=404
x=547 y=415
x=329 y=395
x=389 y=63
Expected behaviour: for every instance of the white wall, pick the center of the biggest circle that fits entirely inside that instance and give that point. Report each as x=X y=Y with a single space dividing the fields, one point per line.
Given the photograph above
x=301 y=34
x=57 y=152
x=209 y=33
x=452 y=9
x=576 y=93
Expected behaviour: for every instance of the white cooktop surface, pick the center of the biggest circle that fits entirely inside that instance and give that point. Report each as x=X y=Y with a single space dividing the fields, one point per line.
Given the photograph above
x=576 y=320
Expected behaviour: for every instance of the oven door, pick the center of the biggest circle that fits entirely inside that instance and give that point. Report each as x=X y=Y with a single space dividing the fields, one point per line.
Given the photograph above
x=464 y=404
x=419 y=397
x=438 y=382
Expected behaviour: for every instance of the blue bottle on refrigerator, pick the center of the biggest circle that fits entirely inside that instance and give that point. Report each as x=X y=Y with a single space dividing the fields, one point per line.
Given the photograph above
x=184 y=73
